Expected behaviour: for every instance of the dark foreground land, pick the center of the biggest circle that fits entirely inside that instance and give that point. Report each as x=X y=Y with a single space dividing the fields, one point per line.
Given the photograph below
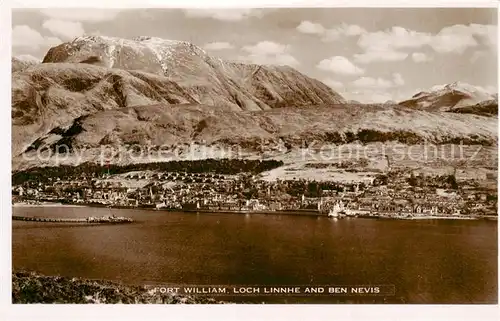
x=30 y=287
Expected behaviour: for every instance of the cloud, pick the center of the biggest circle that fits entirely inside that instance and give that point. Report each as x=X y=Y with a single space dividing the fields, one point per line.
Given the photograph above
x=334 y=84
x=340 y=65
x=81 y=14
x=64 y=29
x=380 y=55
x=368 y=96
x=335 y=33
x=394 y=38
x=389 y=44
x=223 y=14
x=488 y=34
x=458 y=38
x=477 y=55
x=52 y=41
x=376 y=95
x=454 y=39
x=397 y=79
x=218 y=46
x=420 y=57
x=344 y=30
x=269 y=52
x=368 y=82
x=310 y=28
x=491 y=89
x=26 y=37
x=379 y=83
x=26 y=57
x=266 y=47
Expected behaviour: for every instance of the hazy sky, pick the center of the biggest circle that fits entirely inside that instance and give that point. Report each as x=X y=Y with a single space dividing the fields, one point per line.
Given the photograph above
x=371 y=54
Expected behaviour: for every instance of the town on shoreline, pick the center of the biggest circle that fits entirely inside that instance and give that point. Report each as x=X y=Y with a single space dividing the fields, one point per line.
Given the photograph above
x=400 y=193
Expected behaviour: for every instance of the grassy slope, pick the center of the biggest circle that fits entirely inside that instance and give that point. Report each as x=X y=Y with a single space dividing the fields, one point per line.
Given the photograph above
x=166 y=125
x=35 y=288
x=218 y=133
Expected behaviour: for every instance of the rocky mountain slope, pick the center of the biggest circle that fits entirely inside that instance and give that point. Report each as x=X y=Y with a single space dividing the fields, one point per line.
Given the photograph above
x=207 y=79
x=449 y=97
x=165 y=127
x=484 y=108
x=49 y=95
x=94 y=74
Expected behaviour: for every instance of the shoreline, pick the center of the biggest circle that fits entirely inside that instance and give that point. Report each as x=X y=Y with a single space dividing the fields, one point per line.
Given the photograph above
x=47 y=204
x=298 y=212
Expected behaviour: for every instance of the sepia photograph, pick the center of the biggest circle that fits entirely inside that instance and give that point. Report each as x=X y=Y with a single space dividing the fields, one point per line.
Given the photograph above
x=312 y=155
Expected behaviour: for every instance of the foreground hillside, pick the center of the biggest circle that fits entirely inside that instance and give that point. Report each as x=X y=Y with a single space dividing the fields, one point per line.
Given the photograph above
x=35 y=288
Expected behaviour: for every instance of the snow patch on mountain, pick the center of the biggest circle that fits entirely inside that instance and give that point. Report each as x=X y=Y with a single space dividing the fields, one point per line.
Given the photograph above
x=206 y=79
x=449 y=96
x=114 y=52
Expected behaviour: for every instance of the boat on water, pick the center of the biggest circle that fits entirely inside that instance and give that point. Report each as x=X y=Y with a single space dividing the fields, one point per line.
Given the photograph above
x=338 y=211
x=334 y=214
x=147 y=205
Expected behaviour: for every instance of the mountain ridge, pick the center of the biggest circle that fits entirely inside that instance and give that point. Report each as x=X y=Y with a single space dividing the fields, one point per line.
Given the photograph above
x=74 y=80
x=167 y=128
x=448 y=97
x=245 y=87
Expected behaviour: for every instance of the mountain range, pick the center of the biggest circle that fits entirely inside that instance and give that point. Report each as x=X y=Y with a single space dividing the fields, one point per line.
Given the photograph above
x=205 y=79
x=98 y=90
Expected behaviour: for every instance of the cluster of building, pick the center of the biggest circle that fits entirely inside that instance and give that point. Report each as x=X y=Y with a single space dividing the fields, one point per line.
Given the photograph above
x=214 y=192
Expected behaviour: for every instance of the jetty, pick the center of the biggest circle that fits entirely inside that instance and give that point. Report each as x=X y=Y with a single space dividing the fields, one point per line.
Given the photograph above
x=92 y=219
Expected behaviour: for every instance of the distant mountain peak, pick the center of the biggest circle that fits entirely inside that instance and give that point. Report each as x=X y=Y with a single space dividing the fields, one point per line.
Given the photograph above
x=27 y=58
x=463 y=87
x=101 y=38
x=448 y=96
x=22 y=62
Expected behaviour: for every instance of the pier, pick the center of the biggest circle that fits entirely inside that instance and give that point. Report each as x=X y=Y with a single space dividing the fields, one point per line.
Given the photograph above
x=98 y=220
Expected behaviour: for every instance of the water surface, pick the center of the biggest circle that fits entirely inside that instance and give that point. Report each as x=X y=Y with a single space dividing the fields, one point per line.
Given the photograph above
x=427 y=261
